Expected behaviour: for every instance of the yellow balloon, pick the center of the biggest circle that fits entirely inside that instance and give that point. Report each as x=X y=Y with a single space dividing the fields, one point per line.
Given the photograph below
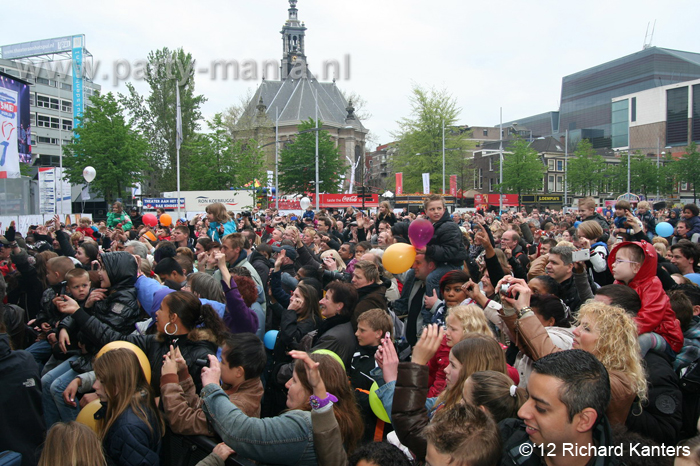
x=143 y=360
x=376 y=404
x=399 y=257
x=86 y=416
x=331 y=354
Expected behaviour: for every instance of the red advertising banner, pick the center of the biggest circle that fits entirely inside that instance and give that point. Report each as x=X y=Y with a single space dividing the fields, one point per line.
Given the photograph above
x=333 y=200
x=453 y=185
x=509 y=200
x=348 y=200
x=399 y=184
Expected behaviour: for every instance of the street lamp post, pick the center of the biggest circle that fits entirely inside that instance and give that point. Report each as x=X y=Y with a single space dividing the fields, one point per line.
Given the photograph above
x=500 y=165
x=443 y=157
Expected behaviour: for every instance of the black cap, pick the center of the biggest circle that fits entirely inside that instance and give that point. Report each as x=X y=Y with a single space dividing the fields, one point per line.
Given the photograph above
x=290 y=251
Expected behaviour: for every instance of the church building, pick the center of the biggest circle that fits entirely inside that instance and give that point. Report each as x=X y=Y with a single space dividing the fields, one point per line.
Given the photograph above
x=286 y=103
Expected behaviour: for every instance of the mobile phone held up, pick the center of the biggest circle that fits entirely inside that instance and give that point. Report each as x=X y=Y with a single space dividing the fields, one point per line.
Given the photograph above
x=581 y=255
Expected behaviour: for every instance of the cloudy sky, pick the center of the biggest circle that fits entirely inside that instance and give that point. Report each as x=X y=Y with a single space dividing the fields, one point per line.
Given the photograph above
x=509 y=54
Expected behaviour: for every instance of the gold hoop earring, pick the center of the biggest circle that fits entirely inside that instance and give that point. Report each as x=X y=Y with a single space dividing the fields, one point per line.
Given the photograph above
x=165 y=329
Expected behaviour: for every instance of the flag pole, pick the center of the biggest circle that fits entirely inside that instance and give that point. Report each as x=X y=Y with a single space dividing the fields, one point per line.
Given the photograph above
x=178 y=142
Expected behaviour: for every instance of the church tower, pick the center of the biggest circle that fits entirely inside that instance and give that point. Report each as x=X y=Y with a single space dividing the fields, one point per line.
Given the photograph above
x=293 y=57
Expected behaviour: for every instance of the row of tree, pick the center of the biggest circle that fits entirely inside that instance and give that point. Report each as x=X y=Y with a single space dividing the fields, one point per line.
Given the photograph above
x=588 y=173
x=420 y=142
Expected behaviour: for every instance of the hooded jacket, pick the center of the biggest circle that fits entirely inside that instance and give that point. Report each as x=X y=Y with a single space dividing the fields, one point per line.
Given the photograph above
x=446 y=245
x=656 y=314
x=120 y=310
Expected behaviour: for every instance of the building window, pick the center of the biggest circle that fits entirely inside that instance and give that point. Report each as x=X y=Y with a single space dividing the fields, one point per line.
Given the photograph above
x=490 y=164
x=45 y=140
x=633 y=110
x=620 y=123
x=560 y=165
x=480 y=180
x=66 y=86
x=677 y=116
x=550 y=185
x=47 y=121
x=490 y=185
x=560 y=184
x=550 y=165
x=67 y=124
x=486 y=132
x=684 y=186
x=42 y=81
x=66 y=106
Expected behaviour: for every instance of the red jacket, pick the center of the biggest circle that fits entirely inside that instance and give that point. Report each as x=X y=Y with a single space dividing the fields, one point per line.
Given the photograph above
x=436 y=369
x=87 y=231
x=656 y=314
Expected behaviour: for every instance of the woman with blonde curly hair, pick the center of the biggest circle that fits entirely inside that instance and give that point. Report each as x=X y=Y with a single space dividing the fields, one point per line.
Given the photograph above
x=607 y=332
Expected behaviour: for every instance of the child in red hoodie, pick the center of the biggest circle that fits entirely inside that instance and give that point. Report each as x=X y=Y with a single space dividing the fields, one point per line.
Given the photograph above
x=85 y=227
x=634 y=264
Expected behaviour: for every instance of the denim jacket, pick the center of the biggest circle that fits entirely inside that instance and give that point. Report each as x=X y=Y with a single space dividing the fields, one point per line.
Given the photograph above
x=285 y=439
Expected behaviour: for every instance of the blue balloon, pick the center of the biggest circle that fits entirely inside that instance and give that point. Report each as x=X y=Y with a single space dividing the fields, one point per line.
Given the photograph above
x=664 y=229
x=270 y=339
x=577 y=223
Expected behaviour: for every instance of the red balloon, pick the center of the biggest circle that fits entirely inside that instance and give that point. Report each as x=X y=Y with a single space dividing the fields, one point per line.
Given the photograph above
x=420 y=232
x=150 y=220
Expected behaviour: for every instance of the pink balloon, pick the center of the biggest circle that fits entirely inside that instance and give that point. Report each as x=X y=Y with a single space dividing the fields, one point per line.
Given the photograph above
x=150 y=220
x=420 y=232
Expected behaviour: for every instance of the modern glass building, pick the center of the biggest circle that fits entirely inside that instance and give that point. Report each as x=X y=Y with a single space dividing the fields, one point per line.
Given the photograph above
x=586 y=109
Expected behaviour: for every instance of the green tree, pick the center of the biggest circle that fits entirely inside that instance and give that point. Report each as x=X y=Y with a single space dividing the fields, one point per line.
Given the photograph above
x=420 y=140
x=106 y=142
x=644 y=177
x=688 y=168
x=297 y=166
x=586 y=169
x=217 y=161
x=522 y=169
x=155 y=116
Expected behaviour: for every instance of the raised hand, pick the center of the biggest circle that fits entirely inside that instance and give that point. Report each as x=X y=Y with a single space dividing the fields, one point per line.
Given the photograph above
x=428 y=344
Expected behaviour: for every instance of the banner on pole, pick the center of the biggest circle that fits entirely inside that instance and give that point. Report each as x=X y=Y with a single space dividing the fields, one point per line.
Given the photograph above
x=453 y=185
x=426 y=183
x=399 y=184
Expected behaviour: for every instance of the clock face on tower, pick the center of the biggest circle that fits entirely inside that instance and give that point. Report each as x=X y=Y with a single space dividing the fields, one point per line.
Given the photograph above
x=294 y=58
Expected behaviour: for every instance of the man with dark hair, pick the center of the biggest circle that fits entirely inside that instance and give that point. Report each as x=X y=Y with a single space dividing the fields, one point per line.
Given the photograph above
x=232 y=245
x=411 y=302
x=170 y=269
x=564 y=419
x=619 y=295
x=685 y=255
x=180 y=237
x=560 y=267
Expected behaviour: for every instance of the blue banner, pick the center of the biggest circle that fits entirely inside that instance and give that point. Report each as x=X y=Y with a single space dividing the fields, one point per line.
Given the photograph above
x=78 y=102
x=153 y=203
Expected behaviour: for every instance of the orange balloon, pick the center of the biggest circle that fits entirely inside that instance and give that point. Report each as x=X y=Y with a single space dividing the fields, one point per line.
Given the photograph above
x=86 y=416
x=166 y=220
x=399 y=257
x=143 y=360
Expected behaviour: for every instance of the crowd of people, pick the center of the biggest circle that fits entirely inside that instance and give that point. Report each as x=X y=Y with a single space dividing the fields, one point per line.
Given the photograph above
x=514 y=338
